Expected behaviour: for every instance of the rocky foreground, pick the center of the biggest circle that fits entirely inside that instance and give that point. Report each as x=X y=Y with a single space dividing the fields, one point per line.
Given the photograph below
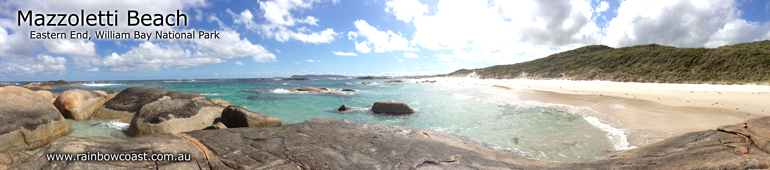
x=171 y=122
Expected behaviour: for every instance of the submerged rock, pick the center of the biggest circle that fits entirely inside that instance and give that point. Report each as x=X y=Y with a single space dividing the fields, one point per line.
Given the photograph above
x=28 y=120
x=368 y=83
x=173 y=116
x=392 y=107
x=129 y=101
x=344 y=108
x=341 y=144
x=236 y=116
x=349 y=89
x=79 y=104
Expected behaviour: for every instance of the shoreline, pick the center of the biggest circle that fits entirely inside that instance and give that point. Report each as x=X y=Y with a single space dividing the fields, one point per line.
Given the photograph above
x=645 y=111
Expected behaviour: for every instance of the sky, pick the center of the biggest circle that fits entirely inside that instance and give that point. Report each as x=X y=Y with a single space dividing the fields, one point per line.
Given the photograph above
x=280 y=38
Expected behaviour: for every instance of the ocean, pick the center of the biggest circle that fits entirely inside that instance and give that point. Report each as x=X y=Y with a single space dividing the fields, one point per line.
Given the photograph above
x=548 y=132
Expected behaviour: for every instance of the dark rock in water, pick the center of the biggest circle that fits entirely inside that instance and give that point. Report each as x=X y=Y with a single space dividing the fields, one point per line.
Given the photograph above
x=173 y=116
x=341 y=144
x=368 y=83
x=236 y=116
x=365 y=78
x=11 y=158
x=344 y=108
x=60 y=83
x=391 y=107
x=394 y=81
x=28 y=120
x=349 y=89
x=79 y=104
x=129 y=101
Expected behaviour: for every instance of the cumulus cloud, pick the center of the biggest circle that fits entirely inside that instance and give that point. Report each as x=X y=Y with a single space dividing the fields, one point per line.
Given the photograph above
x=406 y=10
x=603 y=6
x=153 y=55
x=239 y=63
x=40 y=64
x=149 y=56
x=83 y=53
x=340 y=53
x=681 y=23
x=411 y=55
x=496 y=31
x=380 y=41
x=310 y=61
x=281 y=24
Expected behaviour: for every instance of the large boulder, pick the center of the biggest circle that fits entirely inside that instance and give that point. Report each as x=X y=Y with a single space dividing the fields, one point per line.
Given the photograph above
x=173 y=116
x=392 y=107
x=47 y=94
x=79 y=104
x=129 y=101
x=11 y=158
x=344 y=108
x=758 y=130
x=341 y=144
x=236 y=116
x=308 y=89
x=28 y=120
x=37 y=86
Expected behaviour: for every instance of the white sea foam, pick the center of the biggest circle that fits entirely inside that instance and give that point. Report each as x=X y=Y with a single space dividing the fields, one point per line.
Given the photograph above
x=118 y=125
x=606 y=123
x=280 y=90
x=210 y=94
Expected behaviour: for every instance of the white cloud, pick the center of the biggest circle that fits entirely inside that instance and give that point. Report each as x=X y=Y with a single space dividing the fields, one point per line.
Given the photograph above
x=281 y=24
x=83 y=53
x=362 y=47
x=149 y=56
x=239 y=63
x=41 y=64
x=340 y=53
x=93 y=69
x=499 y=31
x=381 y=41
x=310 y=61
x=603 y=6
x=278 y=51
x=681 y=23
x=411 y=55
x=406 y=10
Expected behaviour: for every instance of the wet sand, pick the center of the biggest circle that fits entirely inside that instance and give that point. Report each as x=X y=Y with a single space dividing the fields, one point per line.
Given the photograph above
x=646 y=111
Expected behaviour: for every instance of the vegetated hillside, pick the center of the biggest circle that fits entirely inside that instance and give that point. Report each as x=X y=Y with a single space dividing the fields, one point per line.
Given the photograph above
x=741 y=63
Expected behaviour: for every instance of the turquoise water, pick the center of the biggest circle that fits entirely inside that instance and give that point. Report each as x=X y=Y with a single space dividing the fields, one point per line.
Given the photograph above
x=533 y=130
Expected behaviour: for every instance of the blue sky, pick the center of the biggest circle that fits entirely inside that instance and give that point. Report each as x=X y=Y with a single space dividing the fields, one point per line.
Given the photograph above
x=280 y=38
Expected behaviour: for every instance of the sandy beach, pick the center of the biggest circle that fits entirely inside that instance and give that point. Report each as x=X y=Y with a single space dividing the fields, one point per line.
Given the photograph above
x=640 y=108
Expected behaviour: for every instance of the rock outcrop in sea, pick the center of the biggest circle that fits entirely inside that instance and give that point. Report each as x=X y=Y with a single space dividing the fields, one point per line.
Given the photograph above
x=129 y=101
x=341 y=144
x=79 y=104
x=175 y=119
x=392 y=107
x=237 y=116
x=28 y=120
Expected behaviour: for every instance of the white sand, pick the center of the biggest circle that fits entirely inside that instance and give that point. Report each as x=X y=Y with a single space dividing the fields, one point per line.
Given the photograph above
x=669 y=108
